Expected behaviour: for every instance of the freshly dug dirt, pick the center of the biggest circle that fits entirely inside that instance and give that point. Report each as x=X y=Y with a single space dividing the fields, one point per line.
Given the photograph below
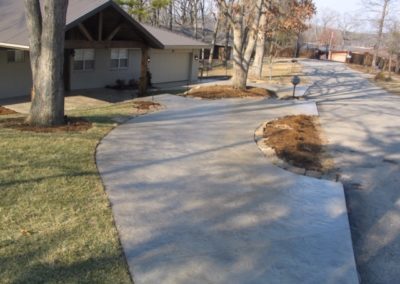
x=221 y=92
x=6 y=111
x=145 y=105
x=296 y=140
x=72 y=124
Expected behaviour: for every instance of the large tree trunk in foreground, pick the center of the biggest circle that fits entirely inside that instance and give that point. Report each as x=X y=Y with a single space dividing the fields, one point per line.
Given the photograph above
x=46 y=37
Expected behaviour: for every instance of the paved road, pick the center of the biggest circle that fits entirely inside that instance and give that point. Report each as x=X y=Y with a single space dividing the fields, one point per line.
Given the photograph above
x=195 y=201
x=362 y=123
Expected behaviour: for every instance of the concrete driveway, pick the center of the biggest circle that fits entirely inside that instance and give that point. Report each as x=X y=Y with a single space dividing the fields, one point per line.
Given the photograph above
x=362 y=123
x=195 y=201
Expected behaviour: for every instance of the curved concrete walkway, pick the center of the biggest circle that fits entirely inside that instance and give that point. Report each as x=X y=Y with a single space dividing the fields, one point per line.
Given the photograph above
x=362 y=122
x=195 y=201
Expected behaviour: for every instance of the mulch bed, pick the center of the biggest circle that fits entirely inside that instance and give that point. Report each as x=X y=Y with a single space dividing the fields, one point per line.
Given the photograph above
x=221 y=92
x=72 y=124
x=6 y=111
x=296 y=140
x=145 y=105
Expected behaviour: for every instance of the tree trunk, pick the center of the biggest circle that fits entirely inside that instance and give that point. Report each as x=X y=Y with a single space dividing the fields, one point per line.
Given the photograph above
x=226 y=47
x=380 y=32
x=257 y=67
x=242 y=55
x=214 y=41
x=46 y=38
x=390 y=66
x=171 y=15
x=239 y=80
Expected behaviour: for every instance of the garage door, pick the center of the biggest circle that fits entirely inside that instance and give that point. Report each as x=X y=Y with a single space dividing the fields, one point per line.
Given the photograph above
x=170 y=67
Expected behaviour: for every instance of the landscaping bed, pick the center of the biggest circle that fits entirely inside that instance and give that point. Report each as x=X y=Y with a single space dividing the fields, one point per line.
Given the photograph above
x=296 y=140
x=6 y=111
x=56 y=220
x=221 y=92
x=145 y=105
x=71 y=124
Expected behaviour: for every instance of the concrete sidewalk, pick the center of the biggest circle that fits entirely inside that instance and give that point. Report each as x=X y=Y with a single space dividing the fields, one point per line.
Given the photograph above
x=195 y=201
x=362 y=123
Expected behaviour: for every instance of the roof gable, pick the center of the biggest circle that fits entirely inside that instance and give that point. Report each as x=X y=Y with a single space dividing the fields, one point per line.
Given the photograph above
x=14 y=33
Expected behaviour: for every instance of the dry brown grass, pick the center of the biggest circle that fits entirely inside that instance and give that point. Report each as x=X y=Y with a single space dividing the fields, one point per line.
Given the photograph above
x=281 y=72
x=220 y=92
x=296 y=140
x=391 y=85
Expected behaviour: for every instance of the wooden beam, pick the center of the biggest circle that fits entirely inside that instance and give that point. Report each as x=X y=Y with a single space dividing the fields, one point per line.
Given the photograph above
x=85 y=32
x=75 y=44
x=100 y=34
x=114 y=32
x=143 y=81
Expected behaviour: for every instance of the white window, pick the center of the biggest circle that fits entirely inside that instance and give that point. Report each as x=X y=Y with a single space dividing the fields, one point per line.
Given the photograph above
x=119 y=58
x=84 y=59
x=15 y=56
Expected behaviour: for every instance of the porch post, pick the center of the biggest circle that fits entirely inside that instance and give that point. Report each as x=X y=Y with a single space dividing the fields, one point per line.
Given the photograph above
x=143 y=83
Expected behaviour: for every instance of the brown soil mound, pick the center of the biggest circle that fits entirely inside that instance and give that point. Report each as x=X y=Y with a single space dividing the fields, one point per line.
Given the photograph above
x=296 y=140
x=72 y=124
x=145 y=105
x=220 y=92
x=6 y=111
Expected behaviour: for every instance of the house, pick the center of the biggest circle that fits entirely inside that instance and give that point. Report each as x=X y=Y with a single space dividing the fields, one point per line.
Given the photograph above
x=103 y=44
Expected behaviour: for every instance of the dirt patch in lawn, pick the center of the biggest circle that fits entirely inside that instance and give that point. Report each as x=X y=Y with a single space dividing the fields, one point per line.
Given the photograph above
x=223 y=92
x=145 y=105
x=72 y=124
x=6 y=111
x=297 y=141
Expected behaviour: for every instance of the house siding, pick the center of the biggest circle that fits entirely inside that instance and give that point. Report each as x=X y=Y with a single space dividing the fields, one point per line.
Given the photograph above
x=167 y=65
x=15 y=78
x=103 y=75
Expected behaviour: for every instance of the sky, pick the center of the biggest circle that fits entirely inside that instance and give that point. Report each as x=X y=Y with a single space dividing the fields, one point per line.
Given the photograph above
x=338 y=5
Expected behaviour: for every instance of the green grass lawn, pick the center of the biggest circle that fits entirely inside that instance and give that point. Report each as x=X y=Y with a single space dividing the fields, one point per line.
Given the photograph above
x=56 y=221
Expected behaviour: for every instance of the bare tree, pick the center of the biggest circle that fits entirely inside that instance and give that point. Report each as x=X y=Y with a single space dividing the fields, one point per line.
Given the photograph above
x=214 y=39
x=380 y=9
x=346 y=25
x=244 y=18
x=46 y=38
x=393 y=45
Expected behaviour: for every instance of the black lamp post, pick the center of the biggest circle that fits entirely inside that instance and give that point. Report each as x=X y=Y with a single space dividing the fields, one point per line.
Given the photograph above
x=295 y=82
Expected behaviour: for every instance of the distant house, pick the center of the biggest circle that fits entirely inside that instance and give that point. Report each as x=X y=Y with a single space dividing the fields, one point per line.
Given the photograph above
x=102 y=44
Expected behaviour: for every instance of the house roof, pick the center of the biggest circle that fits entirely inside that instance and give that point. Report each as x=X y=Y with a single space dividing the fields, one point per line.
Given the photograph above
x=173 y=40
x=14 y=33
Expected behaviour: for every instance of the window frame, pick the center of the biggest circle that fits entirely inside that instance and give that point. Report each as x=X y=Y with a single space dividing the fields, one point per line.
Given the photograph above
x=84 y=61
x=16 y=59
x=119 y=59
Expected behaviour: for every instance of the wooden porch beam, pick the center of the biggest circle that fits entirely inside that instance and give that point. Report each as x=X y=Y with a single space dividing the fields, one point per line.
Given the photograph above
x=100 y=34
x=85 y=32
x=75 y=44
x=114 y=32
x=143 y=83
